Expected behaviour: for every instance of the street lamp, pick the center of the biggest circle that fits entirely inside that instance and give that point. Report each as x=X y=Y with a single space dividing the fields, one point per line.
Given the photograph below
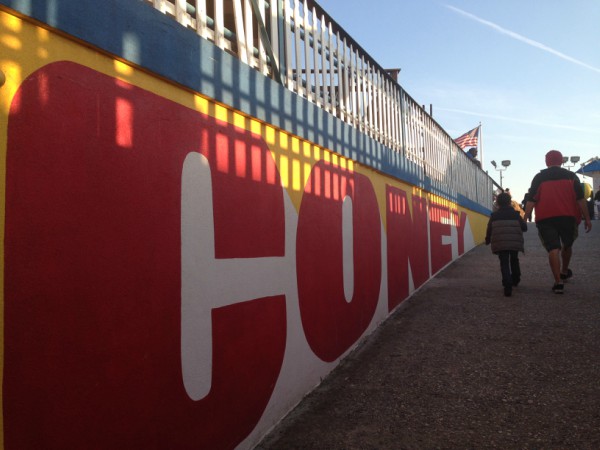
x=574 y=159
x=504 y=164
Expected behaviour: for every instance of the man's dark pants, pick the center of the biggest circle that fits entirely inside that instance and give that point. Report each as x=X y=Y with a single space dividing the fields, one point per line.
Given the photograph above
x=510 y=268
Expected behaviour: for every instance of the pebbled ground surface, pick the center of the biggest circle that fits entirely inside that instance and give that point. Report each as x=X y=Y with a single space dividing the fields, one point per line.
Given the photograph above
x=461 y=366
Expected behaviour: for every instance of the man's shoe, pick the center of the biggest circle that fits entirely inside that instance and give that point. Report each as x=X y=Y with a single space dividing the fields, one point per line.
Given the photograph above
x=558 y=288
x=566 y=276
x=507 y=291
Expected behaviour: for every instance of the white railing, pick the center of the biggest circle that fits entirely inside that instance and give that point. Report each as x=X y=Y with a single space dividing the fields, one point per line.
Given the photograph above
x=299 y=45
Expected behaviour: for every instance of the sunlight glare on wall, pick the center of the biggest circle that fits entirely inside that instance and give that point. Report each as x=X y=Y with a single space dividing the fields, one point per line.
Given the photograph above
x=296 y=145
x=283 y=140
x=296 y=175
x=221 y=113
x=270 y=135
x=283 y=171
x=43 y=89
x=131 y=47
x=123 y=69
x=306 y=146
x=256 y=164
x=12 y=42
x=13 y=23
x=13 y=73
x=239 y=120
x=240 y=158
x=124 y=123
x=201 y=104
x=255 y=127
x=43 y=35
x=222 y=157
x=314 y=187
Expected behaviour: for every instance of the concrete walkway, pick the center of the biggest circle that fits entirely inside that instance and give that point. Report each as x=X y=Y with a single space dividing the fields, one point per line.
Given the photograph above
x=461 y=366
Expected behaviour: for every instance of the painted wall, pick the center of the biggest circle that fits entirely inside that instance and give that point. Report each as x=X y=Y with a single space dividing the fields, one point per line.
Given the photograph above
x=176 y=273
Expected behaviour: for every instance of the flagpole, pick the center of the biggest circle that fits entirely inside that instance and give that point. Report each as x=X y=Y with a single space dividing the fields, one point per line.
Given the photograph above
x=480 y=145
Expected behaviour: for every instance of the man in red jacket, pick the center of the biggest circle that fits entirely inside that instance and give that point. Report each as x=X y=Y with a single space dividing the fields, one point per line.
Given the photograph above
x=557 y=196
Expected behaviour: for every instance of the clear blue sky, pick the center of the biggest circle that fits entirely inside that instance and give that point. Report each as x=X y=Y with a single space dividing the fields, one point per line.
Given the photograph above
x=529 y=71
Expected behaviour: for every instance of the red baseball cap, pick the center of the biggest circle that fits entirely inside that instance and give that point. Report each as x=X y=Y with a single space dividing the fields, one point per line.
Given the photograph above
x=554 y=158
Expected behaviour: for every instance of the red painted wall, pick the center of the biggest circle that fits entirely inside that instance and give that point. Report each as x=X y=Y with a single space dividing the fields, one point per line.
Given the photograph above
x=92 y=297
x=93 y=268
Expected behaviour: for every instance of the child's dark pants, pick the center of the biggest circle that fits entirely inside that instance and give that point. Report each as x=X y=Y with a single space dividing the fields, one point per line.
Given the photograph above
x=509 y=266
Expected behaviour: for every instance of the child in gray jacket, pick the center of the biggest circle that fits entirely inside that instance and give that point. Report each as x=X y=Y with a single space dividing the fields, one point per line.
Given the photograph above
x=505 y=232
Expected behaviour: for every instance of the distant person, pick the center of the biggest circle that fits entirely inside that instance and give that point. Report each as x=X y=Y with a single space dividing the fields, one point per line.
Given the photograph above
x=505 y=232
x=557 y=196
x=472 y=154
x=588 y=195
x=495 y=195
x=590 y=206
x=515 y=204
x=597 y=201
x=524 y=202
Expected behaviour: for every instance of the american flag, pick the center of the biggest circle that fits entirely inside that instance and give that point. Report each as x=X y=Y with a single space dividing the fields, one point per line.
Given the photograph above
x=469 y=139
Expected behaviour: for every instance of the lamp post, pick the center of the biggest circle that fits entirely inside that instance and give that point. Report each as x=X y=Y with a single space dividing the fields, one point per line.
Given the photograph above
x=573 y=159
x=504 y=164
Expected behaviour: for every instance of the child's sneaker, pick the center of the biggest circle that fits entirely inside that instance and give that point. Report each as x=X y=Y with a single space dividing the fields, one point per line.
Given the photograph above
x=558 y=288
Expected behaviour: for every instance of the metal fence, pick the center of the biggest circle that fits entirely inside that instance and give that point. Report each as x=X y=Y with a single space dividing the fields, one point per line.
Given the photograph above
x=300 y=46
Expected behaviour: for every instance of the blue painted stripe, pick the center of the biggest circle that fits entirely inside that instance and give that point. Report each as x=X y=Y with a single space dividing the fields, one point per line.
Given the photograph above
x=135 y=31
